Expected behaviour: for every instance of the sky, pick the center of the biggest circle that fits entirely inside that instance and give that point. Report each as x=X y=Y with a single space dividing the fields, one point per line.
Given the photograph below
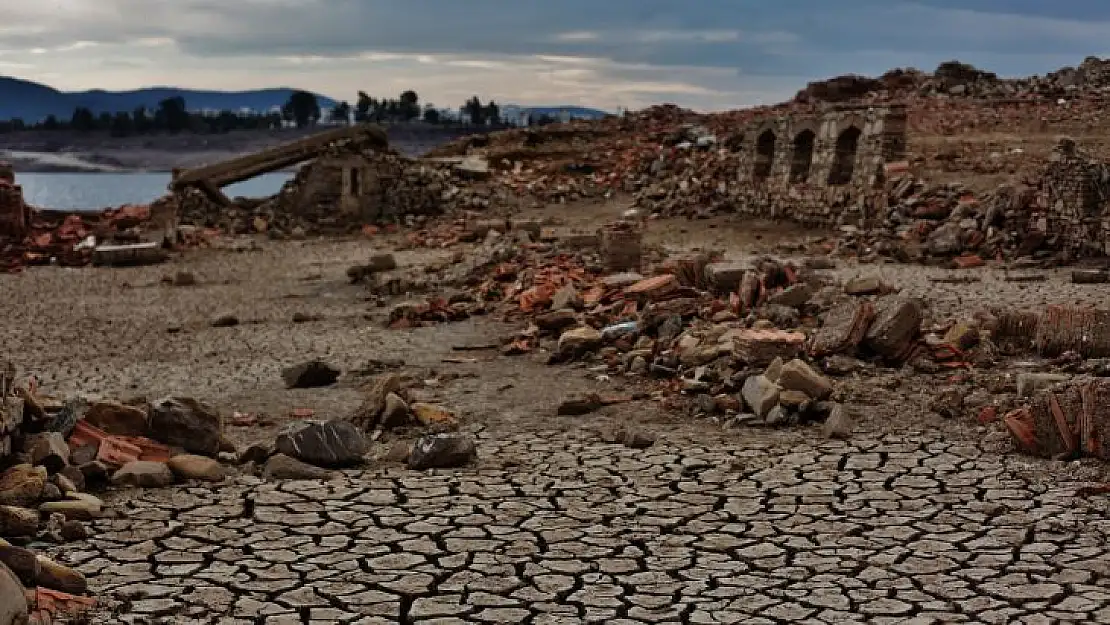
x=702 y=54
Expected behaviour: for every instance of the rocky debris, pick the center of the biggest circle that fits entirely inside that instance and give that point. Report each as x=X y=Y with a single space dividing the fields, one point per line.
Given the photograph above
x=187 y=423
x=310 y=374
x=13 y=603
x=335 y=443
x=378 y=263
x=49 y=450
x=796 y=375
x=897 y=323
x=191 y=467
x=22 y=485
x=1064 y=421
x=117 y=418
x=143 y=474
x=442 y=451
x=16 y=521
x=282 y=467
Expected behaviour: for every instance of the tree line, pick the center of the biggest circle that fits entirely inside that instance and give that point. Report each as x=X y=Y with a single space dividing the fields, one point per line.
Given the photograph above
x=302 y=109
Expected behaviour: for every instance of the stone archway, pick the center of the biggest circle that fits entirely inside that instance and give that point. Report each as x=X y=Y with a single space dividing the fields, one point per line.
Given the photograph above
x=844 y=159
x=764 y=155
x=802 y=158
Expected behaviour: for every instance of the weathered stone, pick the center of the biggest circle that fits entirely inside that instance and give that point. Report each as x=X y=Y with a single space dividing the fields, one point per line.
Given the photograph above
x=897 y=321
x=367 y=415
x=556 y=320
x=60 y=577
x=16 y=521
x=64 y=484
x=793 y=399
x=49 y=450
x=332 y=443
x=579 y=340
x=442 y=451
x=838 y=424
x=256 y=453
x=13 y=601
x=396 y=412
x=282 y=467
x=74 y=530
x=863 y=286
x=116 y=418
x=725 y=277
x=311 y=374
x=192 y=467
x=187 y=423
x=794 y=296
x=799 y=376
x=566 y=298
x=143 y=474
x=432 y=416
x=22 y=485
x=85 y=508
x=23 y=562
x=760 y=394
x=774 y=370
x=1029 y=383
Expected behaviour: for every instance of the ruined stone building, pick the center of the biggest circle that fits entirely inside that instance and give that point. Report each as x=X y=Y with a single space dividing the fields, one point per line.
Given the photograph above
x=1072 y=207
x=823 y=170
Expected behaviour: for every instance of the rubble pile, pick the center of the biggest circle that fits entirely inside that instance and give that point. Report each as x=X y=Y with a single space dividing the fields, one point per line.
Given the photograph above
x=1065 y=420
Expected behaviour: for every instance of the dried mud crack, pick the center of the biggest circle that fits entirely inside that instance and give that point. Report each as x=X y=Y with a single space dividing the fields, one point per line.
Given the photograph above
x=891 y=529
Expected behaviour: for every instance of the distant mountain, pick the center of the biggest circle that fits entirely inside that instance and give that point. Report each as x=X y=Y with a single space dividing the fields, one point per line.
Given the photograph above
x=33 y=102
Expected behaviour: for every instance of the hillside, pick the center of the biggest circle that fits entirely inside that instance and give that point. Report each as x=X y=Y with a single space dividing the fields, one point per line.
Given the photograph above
x=32 y=101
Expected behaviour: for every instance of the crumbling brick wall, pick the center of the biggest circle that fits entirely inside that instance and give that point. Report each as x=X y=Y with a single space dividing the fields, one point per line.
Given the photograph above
x=1072 y=201
x=14 y=213
x=824 y=170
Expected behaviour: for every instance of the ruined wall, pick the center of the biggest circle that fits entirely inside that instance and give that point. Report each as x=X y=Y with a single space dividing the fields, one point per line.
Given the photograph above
x=822 y=171
x=1072 y=207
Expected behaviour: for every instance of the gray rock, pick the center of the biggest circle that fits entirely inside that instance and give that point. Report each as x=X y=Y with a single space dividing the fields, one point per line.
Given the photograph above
x=49 y=450
x=332 y=443
x=311 y=374
x=793 y=296
x=187 y=423
x=443 y=451
x=16 y=521
x=282 y=467
x=396 y=412
x=799 y=376
x=838 y=424
x=760 y=394
x=13 y=602
x=143 y=474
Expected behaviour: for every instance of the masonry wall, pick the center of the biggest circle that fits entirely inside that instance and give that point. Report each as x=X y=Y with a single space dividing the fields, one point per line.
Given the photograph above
x=821 y=171
x=1072 y=207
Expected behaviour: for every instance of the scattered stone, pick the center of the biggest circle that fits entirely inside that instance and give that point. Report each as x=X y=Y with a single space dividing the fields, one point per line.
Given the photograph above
x=794 y=296
x=864 y=286
x=839 y=424
x=1029 y=383
x=556 y=320
x=799 y=376
x=635 y=438
x=225 y=321
x=760 y=394
x=367 y=416
x=13 y=601
x=566 y=298
x=334 y=443
x=282 y=467
x=16 y=521
x=311 y=374
x=398 y=452
x=74 y=530
x=64 y=484
x=578 y=341
x=897 y=321
x=774 y=370
x=60 y=577
x=793 y=399
x=49 y=450
x=117 y=418
x=578 y=406
x=443 y=451
x=143 y=474
x=75 y=477
x=80 y=507
x=187 y=423
x=22 y=485
x=378 y=263
x=257 y=453
x=192 y=467
x=396 y=412
x=431 y=416
x=840 y=365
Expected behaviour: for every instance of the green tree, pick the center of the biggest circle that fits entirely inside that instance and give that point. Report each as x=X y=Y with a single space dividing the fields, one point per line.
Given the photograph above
x=341 y=112
x=431 y=114
x=363 y=106
x=475 y=111
x=302 y=108
x=82 y=120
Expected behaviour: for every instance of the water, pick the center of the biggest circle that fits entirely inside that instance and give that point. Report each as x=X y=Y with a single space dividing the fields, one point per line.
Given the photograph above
x=96 y=191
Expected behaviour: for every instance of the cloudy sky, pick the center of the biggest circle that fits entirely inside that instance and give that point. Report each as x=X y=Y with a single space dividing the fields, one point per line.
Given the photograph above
x=705 y=54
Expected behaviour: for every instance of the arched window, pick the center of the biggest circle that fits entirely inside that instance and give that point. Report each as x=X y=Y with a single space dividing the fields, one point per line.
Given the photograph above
x=802 y=158
x=844 y=161
x=764 y=155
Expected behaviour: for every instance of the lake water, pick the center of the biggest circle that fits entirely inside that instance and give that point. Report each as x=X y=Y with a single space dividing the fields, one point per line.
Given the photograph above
x=96 y=191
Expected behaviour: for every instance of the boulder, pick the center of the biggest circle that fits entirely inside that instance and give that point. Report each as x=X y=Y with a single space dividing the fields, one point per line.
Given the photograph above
x=117 y=418
x=897 y=322
x=143 y=474
x=579 y=340
x=13 y=601
x=187 y=423
x=79 y=508
x=838 y=424
x=760 y=394
x=48 y=450
x=443 y=451
x=192 y=467
x=282 y=467
x=311 y=374
x=22 y=485
x=798 y=376
x=16 y=521
x=332 y=443
x=60 y=577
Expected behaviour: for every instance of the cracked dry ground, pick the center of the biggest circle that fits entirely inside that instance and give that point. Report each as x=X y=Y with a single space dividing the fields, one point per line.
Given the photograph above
x=553 y=525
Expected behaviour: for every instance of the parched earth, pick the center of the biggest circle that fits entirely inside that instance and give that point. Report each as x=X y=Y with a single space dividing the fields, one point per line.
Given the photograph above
x=913 y=519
